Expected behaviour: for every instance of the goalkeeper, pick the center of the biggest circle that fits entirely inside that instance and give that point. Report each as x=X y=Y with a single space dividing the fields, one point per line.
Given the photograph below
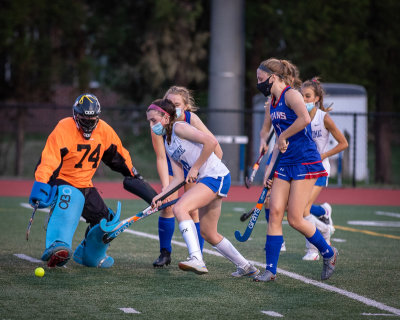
x=63 y=177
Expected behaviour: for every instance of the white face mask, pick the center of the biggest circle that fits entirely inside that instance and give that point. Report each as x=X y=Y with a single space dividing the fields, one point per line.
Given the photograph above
x=178 y=112
x=310 y=106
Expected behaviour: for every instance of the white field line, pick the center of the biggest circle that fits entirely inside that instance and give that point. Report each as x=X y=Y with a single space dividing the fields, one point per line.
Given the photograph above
x=272 y=314
x=28 y=258
x=378 y=314
x=389 y=214
x=28 y=206
x=394 y=224
x=128 y=310
x=351 y=295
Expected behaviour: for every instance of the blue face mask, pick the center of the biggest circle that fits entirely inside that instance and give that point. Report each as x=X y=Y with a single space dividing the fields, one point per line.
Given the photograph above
x=310 y=106
x=158 y=129
x=178 y=112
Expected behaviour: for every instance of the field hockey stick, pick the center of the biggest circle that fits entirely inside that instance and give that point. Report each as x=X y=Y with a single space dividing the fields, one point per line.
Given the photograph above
x=122 y=225
x=249 y=181
x=28 y=230
x=125 y=224
x=257 y=208
x=36 y=206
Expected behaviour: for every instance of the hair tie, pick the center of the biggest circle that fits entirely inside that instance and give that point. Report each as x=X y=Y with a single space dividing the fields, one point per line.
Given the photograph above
x=155 y=107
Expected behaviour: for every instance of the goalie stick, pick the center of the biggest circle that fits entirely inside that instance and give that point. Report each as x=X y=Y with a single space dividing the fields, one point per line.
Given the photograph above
x=111 y=232
x=28 y=230
x=249 y=181
x=257 y=209
x=43 y=205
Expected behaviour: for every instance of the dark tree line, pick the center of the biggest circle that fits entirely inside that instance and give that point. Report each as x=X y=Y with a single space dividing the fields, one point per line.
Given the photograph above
x=139 y=48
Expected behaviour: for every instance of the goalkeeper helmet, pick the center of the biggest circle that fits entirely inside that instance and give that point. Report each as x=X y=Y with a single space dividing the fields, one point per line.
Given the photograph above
x=86 y=111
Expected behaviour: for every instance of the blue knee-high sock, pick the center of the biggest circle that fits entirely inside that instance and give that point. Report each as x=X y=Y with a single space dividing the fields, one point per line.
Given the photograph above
x=318 y=240
x=166 y=227
x=266 y=214
x=272 y=251
x=317 y=210
x=201 y=240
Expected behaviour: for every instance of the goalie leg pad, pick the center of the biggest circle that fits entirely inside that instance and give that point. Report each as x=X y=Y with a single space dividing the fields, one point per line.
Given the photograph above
x=62 y=224
x=92 y=251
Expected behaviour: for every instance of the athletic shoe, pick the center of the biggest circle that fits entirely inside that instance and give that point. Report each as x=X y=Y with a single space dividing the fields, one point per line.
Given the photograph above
x=329 y=265
x=266 y=276
x=327 y=217
x=311 y=255
x=57 y=254
x=163 y=259
x=59 y=258
x=194 y=265
x=248 y=271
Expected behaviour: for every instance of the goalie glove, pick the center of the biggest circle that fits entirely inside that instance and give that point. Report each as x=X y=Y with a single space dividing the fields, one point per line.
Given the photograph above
x=42 y=193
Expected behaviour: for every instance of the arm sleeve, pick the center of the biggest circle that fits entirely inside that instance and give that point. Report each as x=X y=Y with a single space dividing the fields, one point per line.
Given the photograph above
x=116 y=156
x=50 y=161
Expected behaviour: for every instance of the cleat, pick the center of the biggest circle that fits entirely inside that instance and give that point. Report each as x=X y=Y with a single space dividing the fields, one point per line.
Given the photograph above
x=311 y=255
x=329 y=265
x=194 y=265
x=163 y=259
x=327 y=217
x=57 y=254
x=59 y=258
x=266 y=276
x=248 y=271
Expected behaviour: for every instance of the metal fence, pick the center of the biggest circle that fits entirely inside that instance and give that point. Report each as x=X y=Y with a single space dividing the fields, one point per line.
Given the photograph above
x=24 y=129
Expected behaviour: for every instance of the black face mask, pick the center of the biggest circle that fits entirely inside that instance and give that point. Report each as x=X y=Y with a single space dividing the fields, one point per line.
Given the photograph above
x=265 y=87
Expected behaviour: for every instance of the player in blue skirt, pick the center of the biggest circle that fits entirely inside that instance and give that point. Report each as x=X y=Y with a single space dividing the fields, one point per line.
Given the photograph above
x=298 y=169
x=193 y=150
x=185 y=107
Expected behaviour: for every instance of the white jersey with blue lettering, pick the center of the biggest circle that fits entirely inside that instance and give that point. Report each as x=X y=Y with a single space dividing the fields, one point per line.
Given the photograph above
x=187 y=152
x=320 y=136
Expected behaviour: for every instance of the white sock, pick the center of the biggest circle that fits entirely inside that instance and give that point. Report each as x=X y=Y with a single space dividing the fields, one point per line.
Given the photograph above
x=189 y=234
x=226 y=248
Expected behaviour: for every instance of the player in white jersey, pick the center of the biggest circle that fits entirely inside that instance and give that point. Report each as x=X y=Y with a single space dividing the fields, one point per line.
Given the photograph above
x=321 y=126
x=185 y=107
x=193 y=150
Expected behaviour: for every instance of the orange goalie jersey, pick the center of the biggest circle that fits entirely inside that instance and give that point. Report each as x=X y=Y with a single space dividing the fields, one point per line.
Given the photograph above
x=70 y=157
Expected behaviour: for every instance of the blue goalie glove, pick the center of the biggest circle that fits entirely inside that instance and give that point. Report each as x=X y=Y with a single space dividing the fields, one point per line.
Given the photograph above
x=42 y=193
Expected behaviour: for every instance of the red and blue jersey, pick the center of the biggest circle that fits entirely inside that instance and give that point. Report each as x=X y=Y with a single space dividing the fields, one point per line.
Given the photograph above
x=301 y=148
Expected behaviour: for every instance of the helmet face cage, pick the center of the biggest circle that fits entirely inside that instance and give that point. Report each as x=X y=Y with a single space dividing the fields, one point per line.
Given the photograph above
x=86 y=111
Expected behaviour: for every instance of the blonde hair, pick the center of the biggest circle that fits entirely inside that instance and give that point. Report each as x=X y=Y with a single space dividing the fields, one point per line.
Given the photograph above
x=186 y=95
x=316 y=86
x=285 y=70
